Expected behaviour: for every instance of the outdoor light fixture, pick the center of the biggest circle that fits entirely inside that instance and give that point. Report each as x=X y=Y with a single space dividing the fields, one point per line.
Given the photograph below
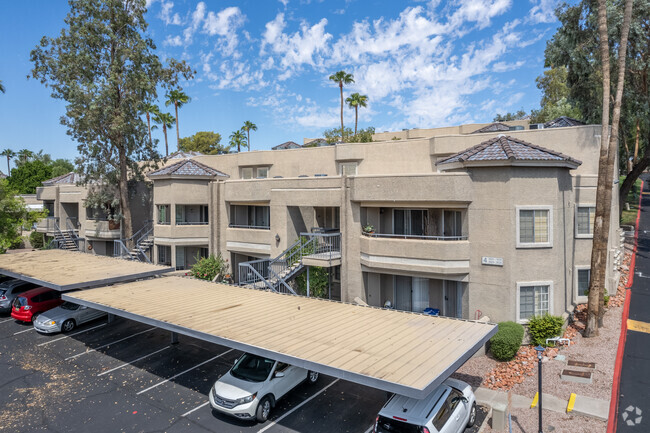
x=277 y=237
x=540 y=351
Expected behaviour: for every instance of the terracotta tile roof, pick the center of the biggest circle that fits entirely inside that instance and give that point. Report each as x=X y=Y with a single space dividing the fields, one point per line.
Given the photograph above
x=188 y=167
x=562 y=122
x=504 y=148
x=493 y=127
x=71 y=177
x=286 y=145
x=181 y=154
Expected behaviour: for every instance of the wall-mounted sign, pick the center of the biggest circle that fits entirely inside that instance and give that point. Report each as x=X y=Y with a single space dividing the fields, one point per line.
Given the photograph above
x=492 y=261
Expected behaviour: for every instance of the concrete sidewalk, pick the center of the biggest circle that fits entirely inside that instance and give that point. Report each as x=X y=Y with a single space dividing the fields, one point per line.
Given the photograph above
x=584 y=406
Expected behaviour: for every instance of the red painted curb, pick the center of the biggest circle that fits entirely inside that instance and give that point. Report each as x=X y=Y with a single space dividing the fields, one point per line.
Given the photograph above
x=613 y=405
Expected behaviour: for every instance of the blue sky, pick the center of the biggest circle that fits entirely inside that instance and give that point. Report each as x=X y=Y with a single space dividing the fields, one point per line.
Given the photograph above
x=421 y=64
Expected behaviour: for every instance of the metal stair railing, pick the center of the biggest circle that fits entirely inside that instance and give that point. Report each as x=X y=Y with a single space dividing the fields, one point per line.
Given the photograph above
x=68 y=236
x=255 y=272
x=119 y=245
x=325 y=244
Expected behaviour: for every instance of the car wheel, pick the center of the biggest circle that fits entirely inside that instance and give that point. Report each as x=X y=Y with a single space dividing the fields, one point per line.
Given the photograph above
x=68 y=325
x=312 y=377
x=472 y=416
x=263 y=409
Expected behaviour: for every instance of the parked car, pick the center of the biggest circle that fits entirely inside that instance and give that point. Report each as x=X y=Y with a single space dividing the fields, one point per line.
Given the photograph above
x=65 y=318
x=9 y=289
x=254 y=384
x=31 y=303
x=450 y=408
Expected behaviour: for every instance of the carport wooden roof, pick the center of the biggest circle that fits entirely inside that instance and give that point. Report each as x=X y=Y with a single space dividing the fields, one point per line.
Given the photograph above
x=400 y=352
x=67 y=270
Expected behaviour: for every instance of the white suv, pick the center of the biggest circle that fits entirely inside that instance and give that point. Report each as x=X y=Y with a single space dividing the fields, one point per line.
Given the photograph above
x=450 y=408
x=253 y=385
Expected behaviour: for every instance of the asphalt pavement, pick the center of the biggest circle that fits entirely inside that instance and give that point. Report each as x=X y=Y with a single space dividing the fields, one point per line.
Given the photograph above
x=634 y=404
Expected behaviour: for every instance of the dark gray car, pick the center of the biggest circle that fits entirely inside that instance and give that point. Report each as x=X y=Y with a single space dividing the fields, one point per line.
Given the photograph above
x=11 y=288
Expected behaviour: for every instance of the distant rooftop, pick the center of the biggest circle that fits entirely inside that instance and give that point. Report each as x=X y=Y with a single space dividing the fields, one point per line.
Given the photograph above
x=286 y=145
x=70 y=178
x=493 y=127
x=181 y=154
x=562 y=122
x=507 y=148
x=188 y=167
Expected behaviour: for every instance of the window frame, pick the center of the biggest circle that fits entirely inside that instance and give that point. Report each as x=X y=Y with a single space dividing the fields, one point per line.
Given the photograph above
x=348 y=163
x=168 y=214
x=257 y=172
x=584 y=235
x=579 y=298
x=245 y=169
x=549 y=284
x=549 y=223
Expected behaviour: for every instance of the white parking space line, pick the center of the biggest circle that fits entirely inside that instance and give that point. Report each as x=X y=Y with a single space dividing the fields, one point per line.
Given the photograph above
x=183 y=372
x=108 y=344
x=286 y=414
x=196 y=408
x=26 y=330
x=370 y=429
x=72 y=335
x=135 y=360
x=7 y=320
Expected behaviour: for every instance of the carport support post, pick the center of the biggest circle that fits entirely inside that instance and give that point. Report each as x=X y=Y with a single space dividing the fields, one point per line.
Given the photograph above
x=174 y=338
x=308 y=281
x=111 y=318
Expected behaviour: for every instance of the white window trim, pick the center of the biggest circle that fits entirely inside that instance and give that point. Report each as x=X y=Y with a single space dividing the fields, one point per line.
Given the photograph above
x=582 y=236
x=548 y=244
x=579 y=299
x=533 y=283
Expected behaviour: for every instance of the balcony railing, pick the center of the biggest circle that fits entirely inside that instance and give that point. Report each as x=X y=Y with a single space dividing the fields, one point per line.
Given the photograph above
x=247 y=226
x=192 y=223
x=421 y=237
x=50 y=224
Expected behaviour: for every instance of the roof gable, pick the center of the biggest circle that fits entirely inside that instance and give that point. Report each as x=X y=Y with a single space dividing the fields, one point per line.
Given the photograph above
x=562 y=122
x=509 y=149
x=69 y=178
x=287 y=145
x=188 y=167
x=493 y=127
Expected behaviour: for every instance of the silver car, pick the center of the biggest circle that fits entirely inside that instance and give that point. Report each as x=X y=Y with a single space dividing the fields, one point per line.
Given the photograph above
x=65 y=318
x=9 y=289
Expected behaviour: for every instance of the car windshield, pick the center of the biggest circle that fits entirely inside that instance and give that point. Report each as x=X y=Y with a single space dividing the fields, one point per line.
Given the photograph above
x=70 y=306
x=252 y=368
x=387 y=425
x=20 y=301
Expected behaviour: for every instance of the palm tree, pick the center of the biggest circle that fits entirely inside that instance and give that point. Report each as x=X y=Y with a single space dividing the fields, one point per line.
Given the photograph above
x=237 y=139
x=248 y=127
x=355 y=101
x=24 y=155
x=2 y=87
x=9 y=154
x=167 y=121
x=178 y=98
x=148 y=110
x=342 y=78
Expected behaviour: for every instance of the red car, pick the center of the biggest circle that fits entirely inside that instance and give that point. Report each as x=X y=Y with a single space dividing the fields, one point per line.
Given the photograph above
x=33 y=302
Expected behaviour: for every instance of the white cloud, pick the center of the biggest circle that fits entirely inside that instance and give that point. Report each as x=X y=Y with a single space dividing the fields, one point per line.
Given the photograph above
x=308 y=46
x=235 y=75
x=480 y=11
x=225 y=24
x=175 y=41
x=198 y=16
x=505 y=66
x=543 y=11
x=284 y=2
x=166 y=14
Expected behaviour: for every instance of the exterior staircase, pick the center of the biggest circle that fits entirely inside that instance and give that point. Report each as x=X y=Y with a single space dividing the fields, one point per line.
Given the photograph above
x=143 y=241
x=67 y=240
x=275 y=274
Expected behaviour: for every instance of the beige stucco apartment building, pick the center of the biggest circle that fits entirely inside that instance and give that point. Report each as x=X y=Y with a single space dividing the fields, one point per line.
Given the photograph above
x=473 y=224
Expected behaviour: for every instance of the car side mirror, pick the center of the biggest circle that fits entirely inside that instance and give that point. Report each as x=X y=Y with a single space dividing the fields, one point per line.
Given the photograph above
x=278 y=374
x=464 y=400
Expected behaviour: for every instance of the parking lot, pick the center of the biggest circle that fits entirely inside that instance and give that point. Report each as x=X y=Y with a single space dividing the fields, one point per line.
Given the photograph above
x=126 y=376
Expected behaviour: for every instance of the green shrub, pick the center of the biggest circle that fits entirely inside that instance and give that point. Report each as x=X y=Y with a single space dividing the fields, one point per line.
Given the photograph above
x=506 y=342
x=36 y=239
x=206 y=268
x=542 y=327
x=318 y=282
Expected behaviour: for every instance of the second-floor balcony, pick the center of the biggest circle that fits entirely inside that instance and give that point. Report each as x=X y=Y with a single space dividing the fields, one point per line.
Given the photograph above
x=250 y=217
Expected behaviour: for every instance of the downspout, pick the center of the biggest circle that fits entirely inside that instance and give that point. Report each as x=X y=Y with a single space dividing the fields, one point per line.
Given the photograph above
x=564 y=206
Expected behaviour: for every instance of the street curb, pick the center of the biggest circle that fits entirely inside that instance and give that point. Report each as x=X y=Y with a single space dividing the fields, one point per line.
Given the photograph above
x=613 y=407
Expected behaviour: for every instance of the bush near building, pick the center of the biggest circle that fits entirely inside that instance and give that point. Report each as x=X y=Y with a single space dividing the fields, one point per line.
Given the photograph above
x=542 y=327
x=206 y=268
x=506 y=342
x=36 y=240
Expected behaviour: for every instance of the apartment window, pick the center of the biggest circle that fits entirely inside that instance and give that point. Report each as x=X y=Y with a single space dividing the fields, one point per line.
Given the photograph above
x=192 y=214
x=534 y=227
x=534 y=300
x=49 y=207
x=584 y=276
x=164 y=255
x=410 y=222
x=262 y=172
x=585 y=221
x=348 y=168
x=452 y=224
x=411 y=293
x=253 y=217
x=247 y=172
x=163 y=214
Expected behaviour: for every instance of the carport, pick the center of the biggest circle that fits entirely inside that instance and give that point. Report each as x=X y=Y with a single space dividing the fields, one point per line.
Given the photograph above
x=68 y=270
x=401 y=352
